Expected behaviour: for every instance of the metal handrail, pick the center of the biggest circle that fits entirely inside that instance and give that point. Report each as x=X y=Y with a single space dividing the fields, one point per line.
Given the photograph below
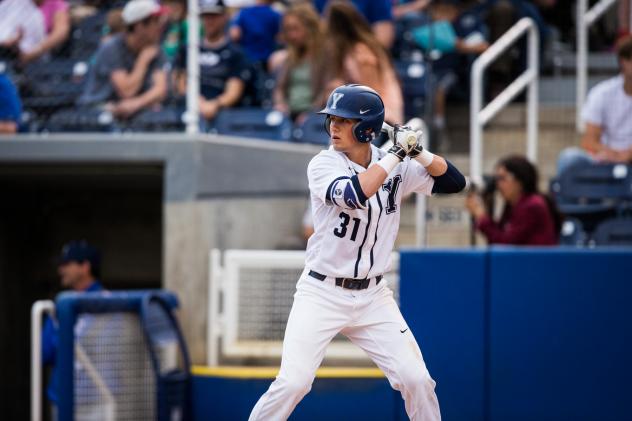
x=38 y=309
x=479 y=115
x=585 y=18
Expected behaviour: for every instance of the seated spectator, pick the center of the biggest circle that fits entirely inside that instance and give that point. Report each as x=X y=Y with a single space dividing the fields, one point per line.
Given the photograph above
x=463 y=35
x=378 y=14
x=177 y=28
x=79 y=270
x=606 y=113
x=10 y=106
x=57 y=21
x=299 y=80
x=129 y=71
x=357 y=57
x=114 y=24
x=22 y=27
x=255 y=28
x=528 y=217
x=223 y=66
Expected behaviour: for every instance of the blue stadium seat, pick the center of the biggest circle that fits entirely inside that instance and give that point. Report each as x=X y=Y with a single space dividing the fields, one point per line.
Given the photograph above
x=312 y=130
x=165 y=119
x=53 y=85
x=86 y=36
x=253 y=122
x=81 y=120
x=572 y=233
x=593 y=188
x=614 y=232
x=412 y=75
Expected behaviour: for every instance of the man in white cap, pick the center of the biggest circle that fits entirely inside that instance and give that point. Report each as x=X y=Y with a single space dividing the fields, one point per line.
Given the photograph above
x=129 y=73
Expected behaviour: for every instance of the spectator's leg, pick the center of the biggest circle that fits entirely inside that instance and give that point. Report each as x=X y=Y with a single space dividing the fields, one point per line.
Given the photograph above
x=571 y=157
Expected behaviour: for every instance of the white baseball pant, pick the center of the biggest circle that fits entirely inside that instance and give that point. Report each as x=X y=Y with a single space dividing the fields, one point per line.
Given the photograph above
x=371 y=319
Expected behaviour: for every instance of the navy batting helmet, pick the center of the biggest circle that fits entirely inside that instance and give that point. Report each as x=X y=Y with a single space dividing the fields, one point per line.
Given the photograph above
x=357 y=102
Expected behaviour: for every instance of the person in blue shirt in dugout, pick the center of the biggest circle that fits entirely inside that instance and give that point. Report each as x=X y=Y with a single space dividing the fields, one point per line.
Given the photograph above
x=79 y=270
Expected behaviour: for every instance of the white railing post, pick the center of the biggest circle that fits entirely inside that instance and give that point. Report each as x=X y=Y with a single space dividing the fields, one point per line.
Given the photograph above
x=479 y=115
x=38 y=309
x=192 y=114
x=585 y=19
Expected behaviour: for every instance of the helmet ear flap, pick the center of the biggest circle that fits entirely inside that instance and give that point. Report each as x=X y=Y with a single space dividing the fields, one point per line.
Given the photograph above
x=361 y=132
x=327 y=124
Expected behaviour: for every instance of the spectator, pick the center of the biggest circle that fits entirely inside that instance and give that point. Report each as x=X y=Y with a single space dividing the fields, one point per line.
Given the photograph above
x=10 y=106
x=528 y=218
x=378 y=13
x=129 y=71
x=412 y=7
x=22 y=27
x=177 y=28
x=114 y=24
x=79 y=270
x=223 y=67
x=606 y=113
x=57 y=22
x=300 y=75
x=457 y=36
x=357 y=57
x=255 y=28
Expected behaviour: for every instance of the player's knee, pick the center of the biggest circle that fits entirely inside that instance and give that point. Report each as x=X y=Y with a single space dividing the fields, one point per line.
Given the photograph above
x=298 y=384
x=417 y=378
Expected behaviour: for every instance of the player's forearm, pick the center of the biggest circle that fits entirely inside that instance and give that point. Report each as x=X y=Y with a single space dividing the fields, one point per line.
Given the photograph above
x=372 y=179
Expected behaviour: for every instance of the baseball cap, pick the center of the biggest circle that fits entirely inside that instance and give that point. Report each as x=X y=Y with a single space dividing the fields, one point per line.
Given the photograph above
x=79 y=251
x=212 y=7
x=137 y=10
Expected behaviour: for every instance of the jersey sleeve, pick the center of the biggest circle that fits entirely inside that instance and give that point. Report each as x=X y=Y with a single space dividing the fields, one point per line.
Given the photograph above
x=331 y=182
x=416 y=179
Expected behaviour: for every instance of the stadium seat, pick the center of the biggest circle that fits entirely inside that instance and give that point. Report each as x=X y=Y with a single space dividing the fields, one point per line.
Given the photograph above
x=412 y=75
x=86 y=36
x=587 y=189
x=572 y=233
x=81 y=120
x=53 y=85
x=614 y=232
x=165 y=119
x=312 y=130
x=253 y=122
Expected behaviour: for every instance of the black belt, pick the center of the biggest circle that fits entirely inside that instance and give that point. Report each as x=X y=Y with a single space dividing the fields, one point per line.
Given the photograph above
x=348 y=283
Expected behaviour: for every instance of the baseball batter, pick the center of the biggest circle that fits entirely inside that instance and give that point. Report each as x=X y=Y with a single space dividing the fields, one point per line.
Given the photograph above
x=356 y=192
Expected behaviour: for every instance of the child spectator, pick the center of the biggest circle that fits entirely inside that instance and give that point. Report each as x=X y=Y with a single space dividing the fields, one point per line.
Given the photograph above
x=177 y=26
x=129 y=71
x=255 y=28
x=456 y=36
x=528 y=218
x=223 y=67
x=357 y=57
x=10 y=106
x=300 y=75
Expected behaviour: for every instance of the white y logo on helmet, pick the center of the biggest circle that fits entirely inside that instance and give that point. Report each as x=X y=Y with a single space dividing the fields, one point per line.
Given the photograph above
x=335 y=98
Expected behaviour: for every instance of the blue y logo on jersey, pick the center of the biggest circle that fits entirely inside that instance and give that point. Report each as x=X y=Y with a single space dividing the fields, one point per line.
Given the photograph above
x=391 y=186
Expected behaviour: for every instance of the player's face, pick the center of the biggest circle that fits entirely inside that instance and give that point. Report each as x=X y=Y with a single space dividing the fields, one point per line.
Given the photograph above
x=72 y=273
x=508 y=186
x=341 y=133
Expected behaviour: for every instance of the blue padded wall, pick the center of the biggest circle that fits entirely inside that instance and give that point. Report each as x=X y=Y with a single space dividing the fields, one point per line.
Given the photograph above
x=560 y=334
x=442 y=295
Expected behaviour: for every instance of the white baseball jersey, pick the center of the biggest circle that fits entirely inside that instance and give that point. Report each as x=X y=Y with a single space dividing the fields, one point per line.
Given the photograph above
x=352 y=240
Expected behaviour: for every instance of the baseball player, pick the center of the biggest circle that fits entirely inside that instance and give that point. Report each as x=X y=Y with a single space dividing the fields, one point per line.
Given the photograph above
x=356 y=192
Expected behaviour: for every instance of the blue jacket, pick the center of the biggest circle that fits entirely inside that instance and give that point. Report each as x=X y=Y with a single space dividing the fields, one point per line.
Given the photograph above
x=50 y=342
